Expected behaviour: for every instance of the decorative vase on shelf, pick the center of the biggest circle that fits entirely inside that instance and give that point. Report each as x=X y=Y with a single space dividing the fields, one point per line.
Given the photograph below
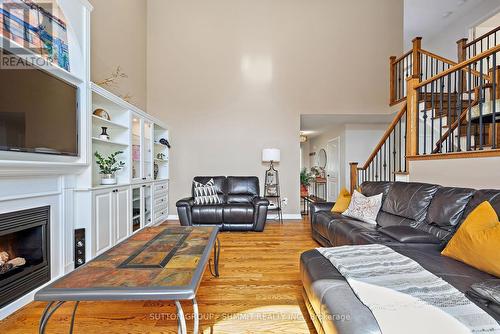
x=108 y=179
x=156 y=170
x=104 y=134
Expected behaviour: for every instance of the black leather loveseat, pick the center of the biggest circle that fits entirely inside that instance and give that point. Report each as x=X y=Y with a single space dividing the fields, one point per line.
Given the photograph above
x=241 y=209
x=416 y=220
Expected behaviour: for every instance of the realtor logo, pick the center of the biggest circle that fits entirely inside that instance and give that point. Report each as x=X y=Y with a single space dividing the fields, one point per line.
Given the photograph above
x=34 y=32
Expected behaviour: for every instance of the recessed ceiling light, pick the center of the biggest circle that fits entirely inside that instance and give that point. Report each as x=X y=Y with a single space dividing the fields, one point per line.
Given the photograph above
x=446 y=14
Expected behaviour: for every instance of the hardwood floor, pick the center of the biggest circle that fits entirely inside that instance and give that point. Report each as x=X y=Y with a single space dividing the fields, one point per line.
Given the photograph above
x=258 y=291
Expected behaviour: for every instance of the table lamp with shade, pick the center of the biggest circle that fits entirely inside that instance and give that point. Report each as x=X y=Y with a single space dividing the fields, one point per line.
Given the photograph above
x=271 y=155
x=271 y=183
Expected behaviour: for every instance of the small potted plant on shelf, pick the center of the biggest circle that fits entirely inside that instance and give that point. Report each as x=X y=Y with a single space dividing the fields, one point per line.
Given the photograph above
x=305 y=181
x=108 y=167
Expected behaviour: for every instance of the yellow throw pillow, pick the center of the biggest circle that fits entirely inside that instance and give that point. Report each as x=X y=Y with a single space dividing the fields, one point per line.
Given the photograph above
x=342 y=202
x=477 y=241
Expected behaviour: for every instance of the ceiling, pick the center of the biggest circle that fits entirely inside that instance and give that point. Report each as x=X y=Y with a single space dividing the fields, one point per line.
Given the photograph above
x=315 y=125
x=428 y=17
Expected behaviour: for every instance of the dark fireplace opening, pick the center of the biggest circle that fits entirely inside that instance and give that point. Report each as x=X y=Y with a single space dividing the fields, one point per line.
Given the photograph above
x=25 y=246
x=24 y=252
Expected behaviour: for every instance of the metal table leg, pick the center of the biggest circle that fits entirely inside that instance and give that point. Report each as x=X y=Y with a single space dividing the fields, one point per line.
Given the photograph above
x=181 y=321
x=215 y=271
x=49 y=311
x=196 y=316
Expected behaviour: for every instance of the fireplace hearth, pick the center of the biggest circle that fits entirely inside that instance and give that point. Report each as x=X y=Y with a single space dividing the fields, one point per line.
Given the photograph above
x=24 y=252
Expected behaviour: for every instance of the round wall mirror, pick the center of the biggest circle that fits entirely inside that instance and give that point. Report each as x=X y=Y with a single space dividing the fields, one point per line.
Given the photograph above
x=322 y=158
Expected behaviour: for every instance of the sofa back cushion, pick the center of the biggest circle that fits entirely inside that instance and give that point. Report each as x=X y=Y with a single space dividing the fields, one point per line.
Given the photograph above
x=374 y=188
x=446 y=211
x=406 y=203
x=480 y=196
x=242 y=189
x=220 y=185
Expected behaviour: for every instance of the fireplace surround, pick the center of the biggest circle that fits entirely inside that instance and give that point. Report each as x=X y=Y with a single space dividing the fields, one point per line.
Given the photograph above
x=25 y=234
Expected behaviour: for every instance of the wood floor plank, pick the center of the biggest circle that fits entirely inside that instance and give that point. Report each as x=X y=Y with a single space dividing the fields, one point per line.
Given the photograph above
x=259 y=291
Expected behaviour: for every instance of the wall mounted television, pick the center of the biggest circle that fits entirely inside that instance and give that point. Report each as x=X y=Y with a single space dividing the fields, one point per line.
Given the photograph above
x=38 y=112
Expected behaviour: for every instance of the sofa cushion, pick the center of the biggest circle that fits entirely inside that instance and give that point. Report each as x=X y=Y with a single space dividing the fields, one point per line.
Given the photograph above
x=205 y=193
x=343 y=231
x=324 y=287
x=323 y=220
x=480 y=196
x=448 y=205
x=476 y=241
x=207 y=214
x=364 y=208
x=374 y=188
x=445 y=212
x=220 y=185
x=409 y=200
x=242 y=189
x=410 y=235
x=239 y=213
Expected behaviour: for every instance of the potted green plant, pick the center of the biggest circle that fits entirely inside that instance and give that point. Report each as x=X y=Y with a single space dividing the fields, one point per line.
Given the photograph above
x=305 y=181
x=108 y=166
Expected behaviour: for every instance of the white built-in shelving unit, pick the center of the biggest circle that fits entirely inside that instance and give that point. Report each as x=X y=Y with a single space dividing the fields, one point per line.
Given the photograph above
x=70 y=185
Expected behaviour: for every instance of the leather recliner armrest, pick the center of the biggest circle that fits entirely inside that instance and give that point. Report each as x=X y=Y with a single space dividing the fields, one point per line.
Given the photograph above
x=184 y=211
x=260 y=201
x=317 y=207
x=185 y=202
x=260 y=205
x=409 y=235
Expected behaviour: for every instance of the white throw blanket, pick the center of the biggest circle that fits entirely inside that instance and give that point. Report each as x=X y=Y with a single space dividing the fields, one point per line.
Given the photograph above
x=403 y=296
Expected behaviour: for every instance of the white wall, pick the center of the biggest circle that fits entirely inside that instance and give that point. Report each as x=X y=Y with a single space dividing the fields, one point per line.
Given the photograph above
x=232 y=77
x=477 y=173
x=360 y=141
x=445 y=43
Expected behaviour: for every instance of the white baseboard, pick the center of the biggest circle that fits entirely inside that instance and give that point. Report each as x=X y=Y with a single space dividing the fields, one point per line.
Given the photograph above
x=286 y=216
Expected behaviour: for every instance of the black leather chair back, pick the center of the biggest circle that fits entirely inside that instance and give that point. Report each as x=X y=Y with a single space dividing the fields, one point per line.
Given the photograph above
x=242 y=189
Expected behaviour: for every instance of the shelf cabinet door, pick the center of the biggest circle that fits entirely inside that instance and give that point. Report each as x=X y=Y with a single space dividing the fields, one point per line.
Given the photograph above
x=123 y=212
x=147 y=150
x=103 y=219
x=147 y=194
x=136 y=200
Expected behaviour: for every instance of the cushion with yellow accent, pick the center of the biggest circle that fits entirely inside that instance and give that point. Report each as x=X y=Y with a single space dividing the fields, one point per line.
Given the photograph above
x=343 y=201
x=477 y=240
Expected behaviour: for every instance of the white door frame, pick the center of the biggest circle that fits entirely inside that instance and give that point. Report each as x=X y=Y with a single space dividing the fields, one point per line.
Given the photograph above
x=337 y=140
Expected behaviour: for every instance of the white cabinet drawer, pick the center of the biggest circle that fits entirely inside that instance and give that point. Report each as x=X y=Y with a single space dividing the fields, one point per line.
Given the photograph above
x=161 y=187
x=161 y=207
x=161 y=213
x=160 y=200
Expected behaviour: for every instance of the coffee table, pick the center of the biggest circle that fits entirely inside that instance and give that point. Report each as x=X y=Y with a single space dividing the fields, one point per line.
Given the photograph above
x=157 y=263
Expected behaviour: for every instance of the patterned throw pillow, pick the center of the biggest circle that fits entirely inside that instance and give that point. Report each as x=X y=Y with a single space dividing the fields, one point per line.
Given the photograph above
x=205 y=194
x=364 y=208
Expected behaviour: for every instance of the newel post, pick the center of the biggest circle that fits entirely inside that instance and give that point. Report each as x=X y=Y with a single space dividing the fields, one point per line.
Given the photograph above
x=461 y=57
x=417 y=46
x=412 y=117
x=392 y=80
x=354 y=176
x=461 y=46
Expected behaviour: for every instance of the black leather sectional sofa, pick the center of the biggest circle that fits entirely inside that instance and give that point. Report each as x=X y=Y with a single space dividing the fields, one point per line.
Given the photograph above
x=241 y=209
x=416 y=220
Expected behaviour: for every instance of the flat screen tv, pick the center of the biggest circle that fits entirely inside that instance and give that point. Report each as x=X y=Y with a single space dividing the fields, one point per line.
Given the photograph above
x=38 y=112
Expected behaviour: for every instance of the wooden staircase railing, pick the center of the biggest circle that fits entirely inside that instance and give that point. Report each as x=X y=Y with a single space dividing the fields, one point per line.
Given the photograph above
x=464 y=101
x=389 y=156
x=450 y=109
x=467 y=50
